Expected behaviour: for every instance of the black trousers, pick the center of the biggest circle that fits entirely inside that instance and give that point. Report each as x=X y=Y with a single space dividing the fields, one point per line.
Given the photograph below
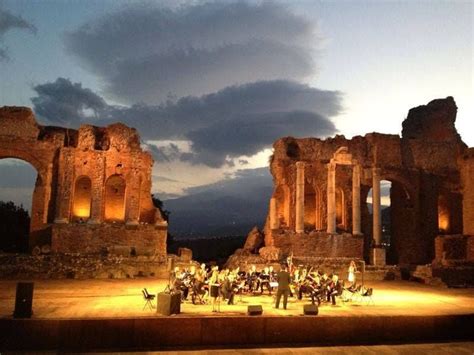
x=285 y=294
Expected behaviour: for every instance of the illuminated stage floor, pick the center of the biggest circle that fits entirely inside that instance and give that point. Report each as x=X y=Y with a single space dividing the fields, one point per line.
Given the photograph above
x=59 y=299
x=73 y=315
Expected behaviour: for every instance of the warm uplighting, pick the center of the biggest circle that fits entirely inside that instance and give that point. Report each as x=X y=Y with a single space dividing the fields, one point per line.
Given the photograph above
x=443 y=214
x=115 y=199
x=82 y=198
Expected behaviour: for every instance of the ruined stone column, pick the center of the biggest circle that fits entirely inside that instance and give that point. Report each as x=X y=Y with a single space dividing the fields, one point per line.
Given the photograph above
x=331 y=203
x=378 y=252
x=299 y=225
x=65 y=186
x=274 y=223
x=133 y=199
x=97 y=189
x=356 y=230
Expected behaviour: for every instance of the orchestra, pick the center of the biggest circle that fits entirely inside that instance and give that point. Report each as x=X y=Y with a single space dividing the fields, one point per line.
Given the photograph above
x=203 y=284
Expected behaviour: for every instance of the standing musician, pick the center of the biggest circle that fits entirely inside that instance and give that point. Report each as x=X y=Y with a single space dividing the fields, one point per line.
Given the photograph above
x=214 y=288
x=284 y=280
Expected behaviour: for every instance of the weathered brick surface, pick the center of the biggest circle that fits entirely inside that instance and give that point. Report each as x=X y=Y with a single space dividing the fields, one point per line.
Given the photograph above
x=468 y=191
x=81 y=266
x=427 y=164
x=74 y=237
x=98 y=155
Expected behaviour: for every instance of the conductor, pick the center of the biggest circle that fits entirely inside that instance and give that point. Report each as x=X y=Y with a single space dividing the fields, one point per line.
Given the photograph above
x=284 y=280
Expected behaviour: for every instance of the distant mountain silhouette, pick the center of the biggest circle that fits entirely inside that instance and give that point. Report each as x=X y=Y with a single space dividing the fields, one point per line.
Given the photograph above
x=227 y=208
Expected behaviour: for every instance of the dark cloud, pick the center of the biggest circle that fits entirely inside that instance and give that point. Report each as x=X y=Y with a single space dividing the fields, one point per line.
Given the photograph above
x=145 y=53
x=67 y=103
x=252 y=133
x=164 y=154
x=8 y=22
x=237 y=121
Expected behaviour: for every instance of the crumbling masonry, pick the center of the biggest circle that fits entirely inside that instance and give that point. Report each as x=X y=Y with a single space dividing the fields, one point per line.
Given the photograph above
x=319 y=204
x=93 y=186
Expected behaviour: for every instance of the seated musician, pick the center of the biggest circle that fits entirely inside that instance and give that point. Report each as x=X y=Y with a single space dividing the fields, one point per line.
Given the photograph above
x=264 y=280
x=305 y=285
x=252 y=278
x=228 y=288
x=178 y=283
x=334 y=289
x=198 y=284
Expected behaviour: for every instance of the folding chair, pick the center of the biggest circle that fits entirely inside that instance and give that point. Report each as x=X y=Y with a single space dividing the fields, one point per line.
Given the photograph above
x=353 y=292
x=368 y=296
x=148 y=299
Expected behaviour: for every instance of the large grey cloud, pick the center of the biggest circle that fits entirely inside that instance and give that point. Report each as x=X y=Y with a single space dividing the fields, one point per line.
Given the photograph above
x=146 y=52
x=238 y=120
x=66 y=103
x=8 y=22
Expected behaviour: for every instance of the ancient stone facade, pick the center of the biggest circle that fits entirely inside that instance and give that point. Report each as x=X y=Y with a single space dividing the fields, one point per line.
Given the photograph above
x=93 y=185
x=319 y=205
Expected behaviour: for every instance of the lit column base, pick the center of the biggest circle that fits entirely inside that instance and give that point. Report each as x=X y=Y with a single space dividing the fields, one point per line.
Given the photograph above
x=378 y=256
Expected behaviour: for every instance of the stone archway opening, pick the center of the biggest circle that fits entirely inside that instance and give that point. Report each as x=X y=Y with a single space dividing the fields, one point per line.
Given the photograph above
x=340 y=209
x=115 y=199
x=17 y=191
x=398 y=225
x=82 y=197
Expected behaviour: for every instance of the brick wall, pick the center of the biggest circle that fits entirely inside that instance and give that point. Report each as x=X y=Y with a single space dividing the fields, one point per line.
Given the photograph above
x=320 y=244
x=89 y=238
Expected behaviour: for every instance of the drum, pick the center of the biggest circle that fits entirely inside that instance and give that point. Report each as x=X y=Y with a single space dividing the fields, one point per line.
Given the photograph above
x=273 y=284
x=214 y=291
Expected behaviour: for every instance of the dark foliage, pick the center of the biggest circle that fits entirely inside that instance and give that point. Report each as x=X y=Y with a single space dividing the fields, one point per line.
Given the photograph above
x=216 y=250
x=14 y=227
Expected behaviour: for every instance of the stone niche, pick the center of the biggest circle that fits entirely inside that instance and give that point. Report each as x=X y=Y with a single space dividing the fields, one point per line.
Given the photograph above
x=319 y=204
x=93 y=189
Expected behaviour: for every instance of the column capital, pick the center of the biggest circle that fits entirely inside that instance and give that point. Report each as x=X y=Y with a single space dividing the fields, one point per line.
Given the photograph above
x=300 y=165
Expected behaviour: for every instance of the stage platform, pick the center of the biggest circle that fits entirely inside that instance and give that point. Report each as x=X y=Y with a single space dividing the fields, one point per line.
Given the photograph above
x=108 y=314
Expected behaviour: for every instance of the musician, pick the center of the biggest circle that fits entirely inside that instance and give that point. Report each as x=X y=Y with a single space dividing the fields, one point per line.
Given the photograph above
x=214 y=287
x=179 y=283
x=199 y=282
x=351 y=273
x=334 y=289
x=252 y=279
x=228 y=288
x=284 y=280
x=264 y=280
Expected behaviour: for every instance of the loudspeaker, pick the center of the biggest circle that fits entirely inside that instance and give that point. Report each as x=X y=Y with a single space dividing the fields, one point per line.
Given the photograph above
x=254 y=310
x=310 y=309
x=169 y=303
x=24 y=300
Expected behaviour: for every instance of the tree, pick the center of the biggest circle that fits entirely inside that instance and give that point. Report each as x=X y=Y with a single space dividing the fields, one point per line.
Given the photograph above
x=159 y=204
x=14 y=227
x=166 y=216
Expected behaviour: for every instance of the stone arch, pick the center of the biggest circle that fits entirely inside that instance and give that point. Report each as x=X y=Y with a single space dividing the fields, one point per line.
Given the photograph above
x=82 y=198
x=114 y=205
x=282 y=197
x=41 y=212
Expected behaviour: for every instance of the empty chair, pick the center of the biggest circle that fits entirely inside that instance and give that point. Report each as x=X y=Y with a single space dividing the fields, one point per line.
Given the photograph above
x=148 y=299
x=353 y=292
x=367 y=295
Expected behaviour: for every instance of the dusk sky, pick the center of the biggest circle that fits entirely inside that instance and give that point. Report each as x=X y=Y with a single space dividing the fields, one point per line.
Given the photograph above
x=211 y=85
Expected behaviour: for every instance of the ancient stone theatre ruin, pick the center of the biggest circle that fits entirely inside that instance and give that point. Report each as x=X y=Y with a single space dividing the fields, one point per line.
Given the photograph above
x=319 y=204
x=93 y=185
